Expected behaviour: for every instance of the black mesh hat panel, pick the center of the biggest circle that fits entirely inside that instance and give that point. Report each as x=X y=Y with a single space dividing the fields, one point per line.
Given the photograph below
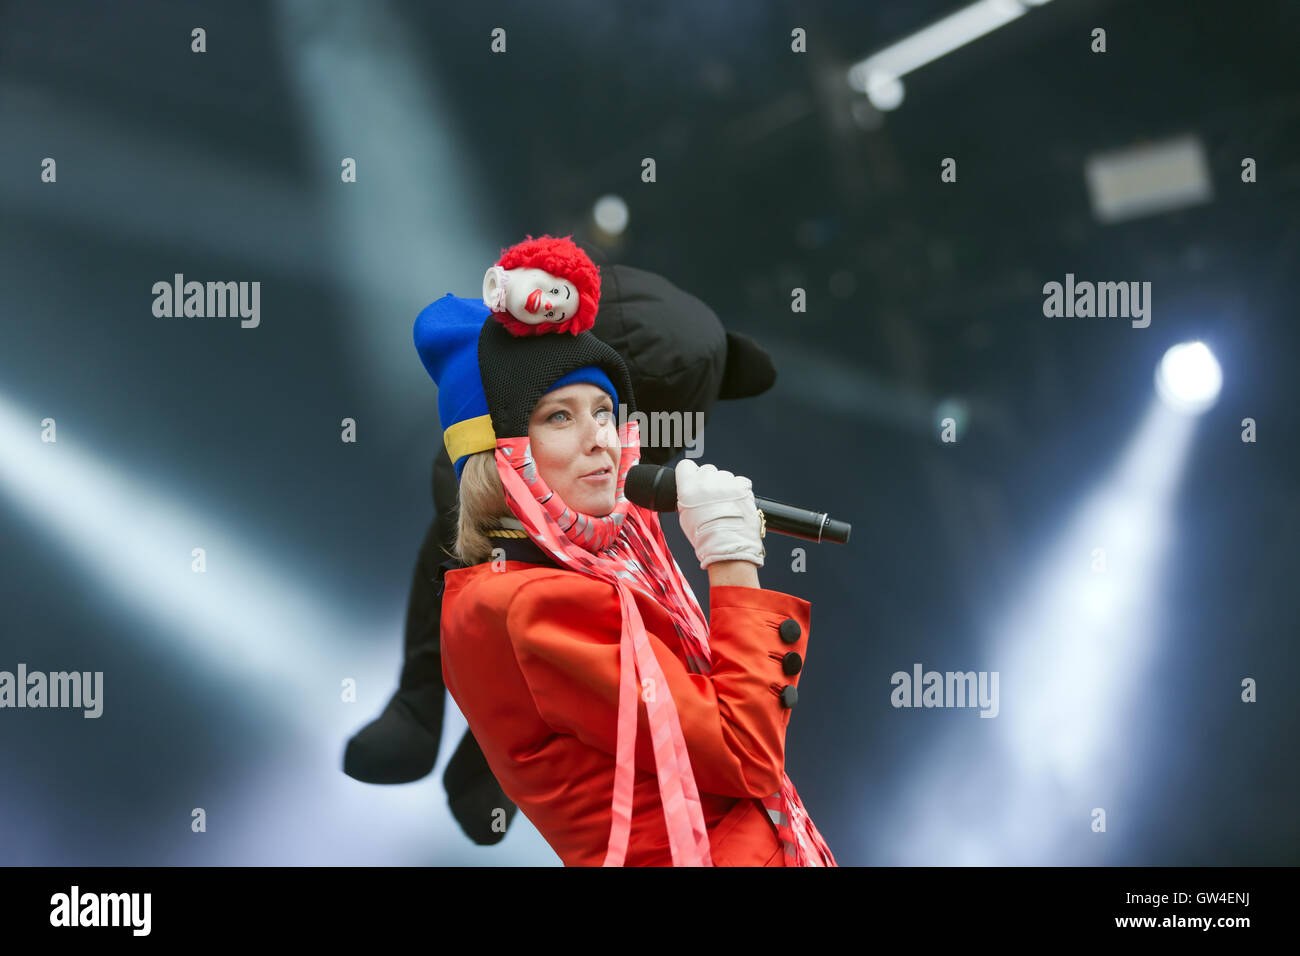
x=518 y=370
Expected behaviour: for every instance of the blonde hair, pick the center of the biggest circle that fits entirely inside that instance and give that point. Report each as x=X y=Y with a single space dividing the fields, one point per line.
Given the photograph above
x=482 y=501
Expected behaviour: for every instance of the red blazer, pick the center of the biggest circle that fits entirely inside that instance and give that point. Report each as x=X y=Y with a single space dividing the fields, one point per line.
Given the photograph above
x=530 y=654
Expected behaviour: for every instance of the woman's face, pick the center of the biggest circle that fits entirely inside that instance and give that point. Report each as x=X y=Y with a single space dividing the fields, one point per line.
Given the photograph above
x=574 y=432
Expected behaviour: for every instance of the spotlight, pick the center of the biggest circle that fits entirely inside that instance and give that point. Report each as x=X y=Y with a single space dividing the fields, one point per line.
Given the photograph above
x=1188 y=378
x=610 y=213
x=884 y=91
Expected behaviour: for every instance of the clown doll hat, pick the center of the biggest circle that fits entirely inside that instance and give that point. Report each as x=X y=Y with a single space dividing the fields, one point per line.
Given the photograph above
x=491 y=374
x=492 y=360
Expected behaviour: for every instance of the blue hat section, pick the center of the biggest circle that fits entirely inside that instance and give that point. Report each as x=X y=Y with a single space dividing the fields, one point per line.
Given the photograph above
x=591 y=375
x=446 y=336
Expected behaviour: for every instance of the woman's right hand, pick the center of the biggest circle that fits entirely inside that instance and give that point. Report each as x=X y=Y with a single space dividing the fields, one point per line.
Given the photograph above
x=718 y=514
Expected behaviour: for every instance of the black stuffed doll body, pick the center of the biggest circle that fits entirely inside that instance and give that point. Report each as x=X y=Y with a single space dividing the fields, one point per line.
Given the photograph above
x=680 y=359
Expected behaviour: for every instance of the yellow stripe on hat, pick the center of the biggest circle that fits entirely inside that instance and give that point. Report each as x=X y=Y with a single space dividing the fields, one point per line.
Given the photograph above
x=470 y=436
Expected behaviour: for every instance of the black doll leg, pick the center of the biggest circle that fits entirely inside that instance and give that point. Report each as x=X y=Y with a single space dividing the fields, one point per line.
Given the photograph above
x=477 y=801
x=401 y=745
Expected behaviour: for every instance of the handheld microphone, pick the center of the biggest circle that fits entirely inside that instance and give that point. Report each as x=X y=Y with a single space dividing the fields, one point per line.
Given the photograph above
x=655 y=487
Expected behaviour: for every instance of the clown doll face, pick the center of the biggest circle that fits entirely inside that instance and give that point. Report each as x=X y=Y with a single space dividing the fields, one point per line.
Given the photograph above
x=574 y=433
x=533 y=295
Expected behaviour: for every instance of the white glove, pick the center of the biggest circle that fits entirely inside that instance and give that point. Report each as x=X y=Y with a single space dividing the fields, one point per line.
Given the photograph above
x=718 y=514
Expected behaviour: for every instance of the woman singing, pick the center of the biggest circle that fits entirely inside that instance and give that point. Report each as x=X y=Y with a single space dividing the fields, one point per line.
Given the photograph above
x=628 y=728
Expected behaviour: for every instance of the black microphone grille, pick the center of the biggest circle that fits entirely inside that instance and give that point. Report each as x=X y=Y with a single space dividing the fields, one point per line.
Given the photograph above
x=651 y=486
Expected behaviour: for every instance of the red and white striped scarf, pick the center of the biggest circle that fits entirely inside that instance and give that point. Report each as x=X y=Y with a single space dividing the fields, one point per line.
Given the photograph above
x=627 y=548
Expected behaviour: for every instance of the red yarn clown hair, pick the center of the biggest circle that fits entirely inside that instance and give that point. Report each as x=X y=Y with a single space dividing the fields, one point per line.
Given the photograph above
x=561 y=258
